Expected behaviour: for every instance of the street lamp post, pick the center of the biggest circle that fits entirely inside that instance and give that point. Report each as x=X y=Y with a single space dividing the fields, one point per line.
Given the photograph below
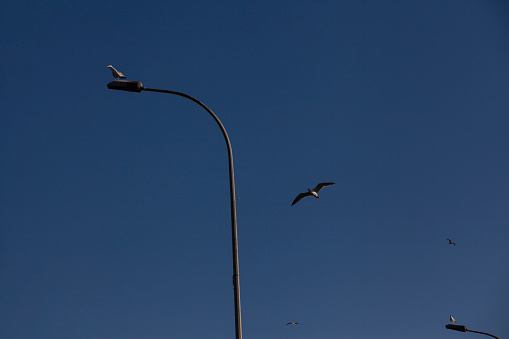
x=463 y=328
x=136 y=86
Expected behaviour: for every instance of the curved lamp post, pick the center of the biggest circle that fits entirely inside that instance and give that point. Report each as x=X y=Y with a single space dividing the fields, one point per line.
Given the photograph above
x=136 y=86
x=463 y=328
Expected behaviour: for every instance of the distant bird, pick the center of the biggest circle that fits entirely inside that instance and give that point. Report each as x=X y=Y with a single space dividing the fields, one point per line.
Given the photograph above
x=313 y=192
x=294 y=324
x=450 y=242
x=451 y=319
x=116 y=74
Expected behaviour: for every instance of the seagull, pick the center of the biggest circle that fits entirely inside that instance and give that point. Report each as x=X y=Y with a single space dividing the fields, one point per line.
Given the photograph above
x=313 y=192
x=116 y=74
x=450 y=242
x=451 y=319
x=294 y=324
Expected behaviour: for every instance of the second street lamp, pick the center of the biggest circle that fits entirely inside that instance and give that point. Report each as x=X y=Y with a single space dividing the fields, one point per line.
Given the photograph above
x=463 y=328
x=136 y=86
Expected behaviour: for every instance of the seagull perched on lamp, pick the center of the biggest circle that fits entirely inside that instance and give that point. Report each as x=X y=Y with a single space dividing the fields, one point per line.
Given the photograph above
x=451 y=319
x=116 y=74
x=313 y=192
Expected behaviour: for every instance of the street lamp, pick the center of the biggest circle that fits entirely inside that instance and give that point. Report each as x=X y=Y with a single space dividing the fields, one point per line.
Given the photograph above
x=136 y=86
x=463 y=328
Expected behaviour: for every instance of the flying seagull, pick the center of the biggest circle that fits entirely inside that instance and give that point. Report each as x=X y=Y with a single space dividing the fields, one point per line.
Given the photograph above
x=116 y=74
x=294 y=324
x=450 y=242
x=451 y=319
x=313 y=192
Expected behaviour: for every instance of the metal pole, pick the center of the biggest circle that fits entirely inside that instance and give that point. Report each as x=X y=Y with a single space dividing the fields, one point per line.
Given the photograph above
x=233 y=209
x=491 y=335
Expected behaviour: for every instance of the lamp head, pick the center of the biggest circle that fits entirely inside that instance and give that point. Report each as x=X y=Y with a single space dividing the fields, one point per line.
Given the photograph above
x=461 y=328
x=126 y=85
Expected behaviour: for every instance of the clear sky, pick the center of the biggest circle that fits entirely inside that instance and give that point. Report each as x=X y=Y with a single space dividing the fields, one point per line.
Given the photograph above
x=114 y=206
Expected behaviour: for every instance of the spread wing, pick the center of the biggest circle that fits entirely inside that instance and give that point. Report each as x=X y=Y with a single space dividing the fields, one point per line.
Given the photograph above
x=300 y=196
x=322 y=185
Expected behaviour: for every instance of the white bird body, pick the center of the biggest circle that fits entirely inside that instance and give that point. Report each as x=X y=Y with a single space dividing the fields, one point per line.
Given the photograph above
x=116 y=74
x=451 y=319
x=312 y=192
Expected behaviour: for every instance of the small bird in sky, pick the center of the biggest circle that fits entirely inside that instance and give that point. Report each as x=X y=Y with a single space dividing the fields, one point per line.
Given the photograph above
x=313 y=192
x=116 y=74
x=294 y=324
x=451 y=319
x=450 y=242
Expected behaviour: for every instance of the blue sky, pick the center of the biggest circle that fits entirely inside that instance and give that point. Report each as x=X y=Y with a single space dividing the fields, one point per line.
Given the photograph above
x=114 y=206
